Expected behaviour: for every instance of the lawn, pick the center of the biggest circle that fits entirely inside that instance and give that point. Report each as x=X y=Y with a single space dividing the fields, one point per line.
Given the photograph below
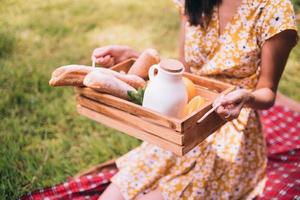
x=42 y=138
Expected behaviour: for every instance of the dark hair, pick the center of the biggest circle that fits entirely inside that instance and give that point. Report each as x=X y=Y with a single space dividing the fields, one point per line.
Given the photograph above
x=199 y=11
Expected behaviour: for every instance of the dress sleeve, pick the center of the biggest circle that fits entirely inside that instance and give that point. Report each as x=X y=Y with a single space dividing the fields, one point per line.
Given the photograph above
x=276 y=16
x=180 y=5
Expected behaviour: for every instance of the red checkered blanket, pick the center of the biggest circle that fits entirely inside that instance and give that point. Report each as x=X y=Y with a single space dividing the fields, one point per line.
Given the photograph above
x=282 y=130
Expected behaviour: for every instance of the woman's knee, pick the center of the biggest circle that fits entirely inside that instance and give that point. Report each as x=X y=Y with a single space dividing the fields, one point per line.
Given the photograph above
x=155 y=194
x=111 y=192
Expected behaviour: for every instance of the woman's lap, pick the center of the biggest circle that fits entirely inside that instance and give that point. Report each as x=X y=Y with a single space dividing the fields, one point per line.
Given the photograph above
x=208 y=170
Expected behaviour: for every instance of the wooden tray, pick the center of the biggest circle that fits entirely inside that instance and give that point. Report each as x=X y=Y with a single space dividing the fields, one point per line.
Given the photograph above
x=176 y=135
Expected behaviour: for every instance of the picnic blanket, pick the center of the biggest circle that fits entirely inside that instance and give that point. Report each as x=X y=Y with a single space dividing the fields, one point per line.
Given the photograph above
x=281 y=126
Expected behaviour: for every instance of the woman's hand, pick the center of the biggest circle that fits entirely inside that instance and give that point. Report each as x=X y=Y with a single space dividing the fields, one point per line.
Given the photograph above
x=232 y=103
x=108 y=56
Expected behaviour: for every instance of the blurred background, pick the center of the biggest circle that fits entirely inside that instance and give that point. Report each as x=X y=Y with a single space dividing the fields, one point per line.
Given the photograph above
x=42 y=138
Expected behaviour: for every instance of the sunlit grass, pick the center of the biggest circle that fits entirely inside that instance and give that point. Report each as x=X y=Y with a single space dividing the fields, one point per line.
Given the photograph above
x=290 y=82
x=42 y=138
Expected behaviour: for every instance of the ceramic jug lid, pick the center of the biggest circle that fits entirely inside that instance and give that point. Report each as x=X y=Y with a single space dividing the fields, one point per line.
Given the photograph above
x=171 y=65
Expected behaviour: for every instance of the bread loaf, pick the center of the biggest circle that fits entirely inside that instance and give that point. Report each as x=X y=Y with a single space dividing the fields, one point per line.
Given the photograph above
x=69 y=75
x=73 y=75
x=141 y=66
x=107 y=84
x=131 y=79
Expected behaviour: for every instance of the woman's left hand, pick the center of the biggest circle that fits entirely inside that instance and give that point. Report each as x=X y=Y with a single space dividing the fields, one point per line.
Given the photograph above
x=232 y=103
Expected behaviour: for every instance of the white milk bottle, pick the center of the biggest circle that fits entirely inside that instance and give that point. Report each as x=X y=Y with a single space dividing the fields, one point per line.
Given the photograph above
x=166 y=92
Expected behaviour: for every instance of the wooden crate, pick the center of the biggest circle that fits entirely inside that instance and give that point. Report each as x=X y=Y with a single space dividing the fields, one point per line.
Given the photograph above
x=176 y=135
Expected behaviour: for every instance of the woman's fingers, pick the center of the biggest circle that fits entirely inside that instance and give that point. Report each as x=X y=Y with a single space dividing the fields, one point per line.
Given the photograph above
x=229 y=112
x=222 y=112
x=236 y=97
x=101 y=60
x=231 y=98
x=106 y=61
x=231 y=104
x=102 y=51
x=218 y=100
x=111 y=62
x=99 y=54
x=235 y=112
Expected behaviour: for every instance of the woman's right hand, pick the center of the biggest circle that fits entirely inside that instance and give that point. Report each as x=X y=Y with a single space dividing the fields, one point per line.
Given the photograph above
x=108 y=56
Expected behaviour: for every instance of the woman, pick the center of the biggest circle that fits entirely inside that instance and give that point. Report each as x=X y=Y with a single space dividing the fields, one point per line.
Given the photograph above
x=242 y=42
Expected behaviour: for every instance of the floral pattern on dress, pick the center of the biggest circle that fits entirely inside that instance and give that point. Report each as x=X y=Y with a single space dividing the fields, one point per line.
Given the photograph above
x=231 y=163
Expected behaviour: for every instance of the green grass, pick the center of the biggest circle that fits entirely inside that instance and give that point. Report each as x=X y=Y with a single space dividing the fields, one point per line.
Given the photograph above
x=42 y=138
x=290 y=82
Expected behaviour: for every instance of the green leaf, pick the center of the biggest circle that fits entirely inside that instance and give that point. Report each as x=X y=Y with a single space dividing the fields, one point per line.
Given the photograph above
x=138 y=96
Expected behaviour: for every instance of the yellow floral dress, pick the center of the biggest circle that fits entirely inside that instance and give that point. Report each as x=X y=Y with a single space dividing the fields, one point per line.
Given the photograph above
x=231 y=163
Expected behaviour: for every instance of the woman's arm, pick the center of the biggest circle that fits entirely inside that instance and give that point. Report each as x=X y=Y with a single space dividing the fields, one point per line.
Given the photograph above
x=275 y=52
x=181 y=41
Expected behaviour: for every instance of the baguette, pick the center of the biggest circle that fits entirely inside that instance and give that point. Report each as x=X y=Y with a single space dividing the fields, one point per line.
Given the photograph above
x=73 y=75
x=141 y=66
x=131 y=79
x=107 y=84
x=69 y=75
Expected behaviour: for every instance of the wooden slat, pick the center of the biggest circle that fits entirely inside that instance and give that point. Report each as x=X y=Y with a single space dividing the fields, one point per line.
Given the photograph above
x=199 y=132
x=208 y=82
x=192 y=119
x=124 y=66
x=128 y=129
x=144 y=125
x=206 y=94
x=130 y=107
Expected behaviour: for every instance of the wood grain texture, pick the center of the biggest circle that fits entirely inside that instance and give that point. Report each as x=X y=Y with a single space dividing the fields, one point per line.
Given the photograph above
x=199 y=132
x=139 y=123
x=192 y=119
x=130 y=107
x=124 y=66
x=130 y=130
x=208 y=83
x=206 y=94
